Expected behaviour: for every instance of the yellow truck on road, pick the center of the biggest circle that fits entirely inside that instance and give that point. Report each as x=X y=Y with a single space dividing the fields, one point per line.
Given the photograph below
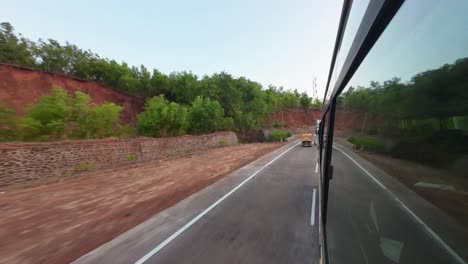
x=306 y=140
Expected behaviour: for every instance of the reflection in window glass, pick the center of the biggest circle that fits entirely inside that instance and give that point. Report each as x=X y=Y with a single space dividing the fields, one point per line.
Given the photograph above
x=399 y=192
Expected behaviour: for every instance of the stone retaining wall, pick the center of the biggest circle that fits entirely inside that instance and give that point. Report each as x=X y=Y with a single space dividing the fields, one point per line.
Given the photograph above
x=22 y=163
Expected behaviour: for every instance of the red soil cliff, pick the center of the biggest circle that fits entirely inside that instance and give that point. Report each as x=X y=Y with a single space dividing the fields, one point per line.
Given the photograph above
x=295 y=117
x=20 y=87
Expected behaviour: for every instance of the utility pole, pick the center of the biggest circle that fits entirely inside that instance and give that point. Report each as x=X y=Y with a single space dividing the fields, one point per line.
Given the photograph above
x=314 y=88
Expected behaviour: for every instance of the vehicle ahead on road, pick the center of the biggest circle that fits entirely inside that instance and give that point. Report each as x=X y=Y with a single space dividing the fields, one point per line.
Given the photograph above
x=393 y=167
x=306 y=139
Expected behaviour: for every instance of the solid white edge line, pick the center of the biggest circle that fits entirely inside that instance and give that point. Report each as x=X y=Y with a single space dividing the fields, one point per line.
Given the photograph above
x=312 y=212
x=316 y=167
x=194 y=220
x=408 y=211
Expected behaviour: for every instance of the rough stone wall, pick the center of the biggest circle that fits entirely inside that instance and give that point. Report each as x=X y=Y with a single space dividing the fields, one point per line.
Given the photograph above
x=22 y=163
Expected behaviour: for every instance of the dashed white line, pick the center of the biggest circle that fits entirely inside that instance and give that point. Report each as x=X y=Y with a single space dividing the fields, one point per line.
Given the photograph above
x=194 y=220
x=312 y=212
x=411 y=213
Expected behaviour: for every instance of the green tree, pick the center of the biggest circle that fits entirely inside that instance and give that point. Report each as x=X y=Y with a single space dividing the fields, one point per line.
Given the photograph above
x=162 y=118
x=13 y=49
x=183 y=88
x=206 y=116
x=244 y=102
x=159 y=84
x=305 y=101
x=317 y=103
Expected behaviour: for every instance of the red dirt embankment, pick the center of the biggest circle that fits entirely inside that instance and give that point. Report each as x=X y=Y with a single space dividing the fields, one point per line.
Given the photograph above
x=20 y=87
x=345 y=121
x=348 y=122
x=59 y=222
x=295 y=117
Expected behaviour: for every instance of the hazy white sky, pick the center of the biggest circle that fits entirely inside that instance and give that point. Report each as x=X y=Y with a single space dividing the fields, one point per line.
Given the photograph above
x=273 y=42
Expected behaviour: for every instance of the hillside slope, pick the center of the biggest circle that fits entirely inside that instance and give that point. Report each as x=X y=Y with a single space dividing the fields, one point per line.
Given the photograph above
x=20 y=87
x=295 y=117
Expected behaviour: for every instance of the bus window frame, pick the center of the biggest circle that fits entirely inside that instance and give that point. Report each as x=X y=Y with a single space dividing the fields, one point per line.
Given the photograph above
x=378 y=15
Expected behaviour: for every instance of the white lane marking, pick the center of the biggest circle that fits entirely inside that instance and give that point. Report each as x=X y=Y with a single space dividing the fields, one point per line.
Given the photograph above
x=194 y=220
x=316 y=167
x=312 y=212
x=411 y=213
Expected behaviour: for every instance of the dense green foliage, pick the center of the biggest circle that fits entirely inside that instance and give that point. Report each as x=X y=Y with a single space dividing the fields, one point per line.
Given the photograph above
x=162 y=118
x=245 y=103
x=367 y=143
x=279 y=136
x=7 y=123
x=60 y=116
x=439 y=93
x=206 y=116
x=425 y=119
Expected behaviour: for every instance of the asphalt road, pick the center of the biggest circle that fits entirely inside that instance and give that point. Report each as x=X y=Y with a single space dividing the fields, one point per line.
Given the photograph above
x=265 y=221
x=263 y=214
x=268 y=219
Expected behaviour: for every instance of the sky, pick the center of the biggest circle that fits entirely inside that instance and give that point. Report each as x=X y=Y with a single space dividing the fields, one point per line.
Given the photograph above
x=284 y=43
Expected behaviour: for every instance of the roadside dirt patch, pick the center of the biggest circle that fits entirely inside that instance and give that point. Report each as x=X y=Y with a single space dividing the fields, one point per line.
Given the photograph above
x=59 y=222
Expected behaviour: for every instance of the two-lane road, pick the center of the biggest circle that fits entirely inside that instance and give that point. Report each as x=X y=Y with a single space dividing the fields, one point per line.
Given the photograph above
x=265 y=221
x=265 y=213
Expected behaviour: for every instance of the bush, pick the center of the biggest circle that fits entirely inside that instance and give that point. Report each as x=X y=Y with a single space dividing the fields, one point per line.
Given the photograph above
x=31 y=129
x=127 y=131
x=372 y=131
x=367 y=143
x=60 y=116
x=207 y=116
x=50 y=115
x=162 y=118
x=276 y=124
x=84 y=167
x=102 y=121
x=279 y=136
x=130 y=157
x=7 y=123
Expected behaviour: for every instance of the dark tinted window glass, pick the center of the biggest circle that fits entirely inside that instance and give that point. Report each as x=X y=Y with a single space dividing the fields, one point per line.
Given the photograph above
x=400 y=187
x=324 y=126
